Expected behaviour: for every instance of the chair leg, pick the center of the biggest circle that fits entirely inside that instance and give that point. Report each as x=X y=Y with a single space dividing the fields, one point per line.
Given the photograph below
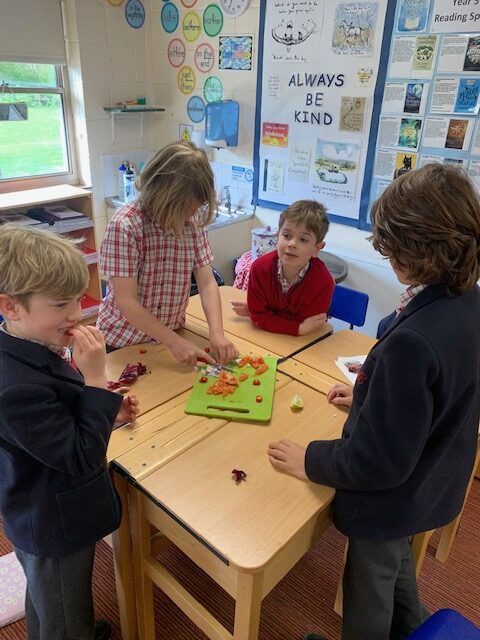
x=419 y=548
x=449 y=531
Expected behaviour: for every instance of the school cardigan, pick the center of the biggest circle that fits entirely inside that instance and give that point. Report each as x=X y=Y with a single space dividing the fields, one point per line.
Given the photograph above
x=274 y=311
x=409 y=441
x=56 y=495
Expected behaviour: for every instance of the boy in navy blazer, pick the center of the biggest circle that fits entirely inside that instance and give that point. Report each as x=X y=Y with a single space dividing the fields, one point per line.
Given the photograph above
x=56 y=496
x=409 y=442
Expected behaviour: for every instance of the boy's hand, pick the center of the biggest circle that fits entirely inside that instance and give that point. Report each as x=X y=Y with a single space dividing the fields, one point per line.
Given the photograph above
x=223 y=349
x=129 y=409
x=89 y=354
x=311 y=324
x=341 y=394
x=187 y=353
x=240 y=308
x=288 y=457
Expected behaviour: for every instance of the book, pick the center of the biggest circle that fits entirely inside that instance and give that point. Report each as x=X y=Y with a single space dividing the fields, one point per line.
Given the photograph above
x=61 y=212
x=90 y=305
x=18 y=218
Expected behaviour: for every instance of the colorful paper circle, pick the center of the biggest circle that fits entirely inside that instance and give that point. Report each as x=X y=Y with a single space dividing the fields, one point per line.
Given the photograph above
x=116 y=3
x=186 y=80
x=169 y=17
x=196 y=109
x=213 y=89
x=204 y=57
x=135 y=13
x=189 y=3
x=176 y=52
x=212 y=20
x=191 y=26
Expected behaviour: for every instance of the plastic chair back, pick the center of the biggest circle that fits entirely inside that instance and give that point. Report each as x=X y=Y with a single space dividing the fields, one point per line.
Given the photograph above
x=349 y=305
x=446 y=624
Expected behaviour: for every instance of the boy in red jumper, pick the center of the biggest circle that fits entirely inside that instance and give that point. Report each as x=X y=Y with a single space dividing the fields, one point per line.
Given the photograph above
x=290 y=289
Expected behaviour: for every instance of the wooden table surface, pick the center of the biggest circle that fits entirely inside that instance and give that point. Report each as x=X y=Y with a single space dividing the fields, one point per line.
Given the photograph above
x=315 y=365
x=279 y=343
x=248 y=523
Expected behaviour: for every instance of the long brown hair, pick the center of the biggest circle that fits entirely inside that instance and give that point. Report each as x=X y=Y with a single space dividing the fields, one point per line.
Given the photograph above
x=176 y=178
x=428 y=222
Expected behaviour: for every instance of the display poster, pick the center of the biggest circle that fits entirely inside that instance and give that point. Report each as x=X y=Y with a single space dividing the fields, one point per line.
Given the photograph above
x=432 y=91
x=318 y=78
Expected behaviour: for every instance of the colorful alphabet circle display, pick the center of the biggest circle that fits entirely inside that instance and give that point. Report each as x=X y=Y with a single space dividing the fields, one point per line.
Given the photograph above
x=169 y=17
x=115 y=3
x=212 y=20
x=196 y=109
x=204 y=57
x=186 y=80
x=213 y=89
x=191 y=26
x=176 y=52
x=189 y=3
x=135 y=13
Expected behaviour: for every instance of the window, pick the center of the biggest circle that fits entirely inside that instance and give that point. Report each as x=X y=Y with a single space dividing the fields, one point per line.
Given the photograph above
x=34 y=141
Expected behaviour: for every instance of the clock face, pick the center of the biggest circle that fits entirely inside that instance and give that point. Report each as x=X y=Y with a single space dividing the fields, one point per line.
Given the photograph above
x=234 y=8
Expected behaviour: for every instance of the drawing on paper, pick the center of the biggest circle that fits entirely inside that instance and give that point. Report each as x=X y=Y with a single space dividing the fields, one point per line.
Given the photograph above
x=335 y=160
x=291 y=33
x=354 y=28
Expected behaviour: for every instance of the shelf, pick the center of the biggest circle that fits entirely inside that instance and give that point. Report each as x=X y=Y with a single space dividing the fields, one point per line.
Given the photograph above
x=137 y=110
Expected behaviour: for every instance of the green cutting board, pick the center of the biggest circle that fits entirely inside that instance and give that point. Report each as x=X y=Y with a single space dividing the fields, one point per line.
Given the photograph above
x=240 y=405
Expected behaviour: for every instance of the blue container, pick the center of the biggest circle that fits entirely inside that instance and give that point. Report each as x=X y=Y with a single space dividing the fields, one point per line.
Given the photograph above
x=446 y=624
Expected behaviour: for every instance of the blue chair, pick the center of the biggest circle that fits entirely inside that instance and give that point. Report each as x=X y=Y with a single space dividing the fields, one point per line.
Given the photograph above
x=446 y=624
x=349 y=305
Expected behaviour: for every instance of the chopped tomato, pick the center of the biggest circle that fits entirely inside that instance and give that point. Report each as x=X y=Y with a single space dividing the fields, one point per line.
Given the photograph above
x=258 y=399
x=204 y=379
x=256 y=382
x=242 y=377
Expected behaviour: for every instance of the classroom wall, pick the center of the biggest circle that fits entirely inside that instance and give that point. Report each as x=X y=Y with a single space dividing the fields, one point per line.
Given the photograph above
x=110 y=62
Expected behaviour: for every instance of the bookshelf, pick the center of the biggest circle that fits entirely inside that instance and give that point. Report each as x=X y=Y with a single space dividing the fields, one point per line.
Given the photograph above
x=74 y=198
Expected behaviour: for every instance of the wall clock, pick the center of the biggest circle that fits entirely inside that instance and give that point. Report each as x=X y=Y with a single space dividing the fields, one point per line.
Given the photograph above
x=234 y=8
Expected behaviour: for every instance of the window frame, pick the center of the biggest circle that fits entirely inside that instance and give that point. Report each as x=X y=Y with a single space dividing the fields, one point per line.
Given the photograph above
x=62 y=88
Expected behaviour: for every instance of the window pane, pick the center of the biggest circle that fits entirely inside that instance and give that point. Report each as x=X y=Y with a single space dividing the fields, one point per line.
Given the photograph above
x=19 y=74
x=36 y=146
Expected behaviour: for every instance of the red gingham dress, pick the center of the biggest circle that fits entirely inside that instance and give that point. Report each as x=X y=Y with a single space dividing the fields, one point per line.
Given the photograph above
x=136 y=247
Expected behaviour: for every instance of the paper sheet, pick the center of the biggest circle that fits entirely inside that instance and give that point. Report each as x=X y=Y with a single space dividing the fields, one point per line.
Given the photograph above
x=350 y=366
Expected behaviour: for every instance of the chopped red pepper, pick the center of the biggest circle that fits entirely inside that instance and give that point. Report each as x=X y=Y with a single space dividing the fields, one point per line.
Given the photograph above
x=204 y=379
x=258 y=399
x=256 y=382
x=142 y=351
x=207 y=349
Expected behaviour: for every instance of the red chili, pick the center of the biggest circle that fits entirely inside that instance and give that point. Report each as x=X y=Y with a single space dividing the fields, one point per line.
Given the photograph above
x=204 y=379
x=256 y=382
x=142 y=351
x=258 y=399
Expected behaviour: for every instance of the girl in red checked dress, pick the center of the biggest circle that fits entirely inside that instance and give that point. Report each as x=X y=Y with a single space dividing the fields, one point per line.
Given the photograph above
x=150 y=250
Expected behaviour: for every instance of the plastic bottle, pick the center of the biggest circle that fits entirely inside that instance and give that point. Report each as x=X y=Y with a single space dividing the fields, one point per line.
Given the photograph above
x=121 y=171
x=129 y=190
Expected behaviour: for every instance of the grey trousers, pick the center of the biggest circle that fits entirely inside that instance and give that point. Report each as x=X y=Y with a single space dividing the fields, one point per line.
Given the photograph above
x=58 y=602
x=380 y=595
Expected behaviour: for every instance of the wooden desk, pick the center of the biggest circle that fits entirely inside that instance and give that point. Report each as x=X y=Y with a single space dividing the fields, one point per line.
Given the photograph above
x=315 y=366
x=234 y=325
x=245 y=536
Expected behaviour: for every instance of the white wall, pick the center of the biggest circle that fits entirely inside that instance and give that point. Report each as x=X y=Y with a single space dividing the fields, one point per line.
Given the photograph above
x=110 y=62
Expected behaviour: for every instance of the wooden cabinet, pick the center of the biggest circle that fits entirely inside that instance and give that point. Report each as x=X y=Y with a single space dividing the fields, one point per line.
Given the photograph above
x=79 y=200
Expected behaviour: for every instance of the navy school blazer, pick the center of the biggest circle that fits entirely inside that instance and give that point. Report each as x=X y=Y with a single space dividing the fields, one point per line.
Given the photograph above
x=56 y=495
x=409 y=442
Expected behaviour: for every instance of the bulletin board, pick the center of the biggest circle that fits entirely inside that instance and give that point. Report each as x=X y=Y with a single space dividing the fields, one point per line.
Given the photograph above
x=432 y=89
x=318 y=86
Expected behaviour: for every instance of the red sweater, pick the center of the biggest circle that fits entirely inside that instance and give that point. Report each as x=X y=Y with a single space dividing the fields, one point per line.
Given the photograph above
x=273 y=311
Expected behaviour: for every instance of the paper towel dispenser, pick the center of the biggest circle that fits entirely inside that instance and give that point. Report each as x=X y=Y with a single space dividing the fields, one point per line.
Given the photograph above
x=221 y=124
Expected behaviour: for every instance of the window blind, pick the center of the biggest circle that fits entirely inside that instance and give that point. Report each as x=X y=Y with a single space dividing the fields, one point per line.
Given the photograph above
x=32 y=31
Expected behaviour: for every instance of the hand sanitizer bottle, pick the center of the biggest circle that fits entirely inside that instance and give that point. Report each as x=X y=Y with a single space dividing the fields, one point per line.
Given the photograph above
x=129 y=190
x=121 y=171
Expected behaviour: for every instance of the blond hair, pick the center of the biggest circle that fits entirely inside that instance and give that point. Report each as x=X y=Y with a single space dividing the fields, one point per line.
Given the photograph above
x=37 y=261
x=428 y=222
x=178 y=177
x=310 y=213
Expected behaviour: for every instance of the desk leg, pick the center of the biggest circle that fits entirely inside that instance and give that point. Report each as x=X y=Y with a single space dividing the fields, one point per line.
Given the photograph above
x=141 y=549
x=248 y=606
x=122 y=556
